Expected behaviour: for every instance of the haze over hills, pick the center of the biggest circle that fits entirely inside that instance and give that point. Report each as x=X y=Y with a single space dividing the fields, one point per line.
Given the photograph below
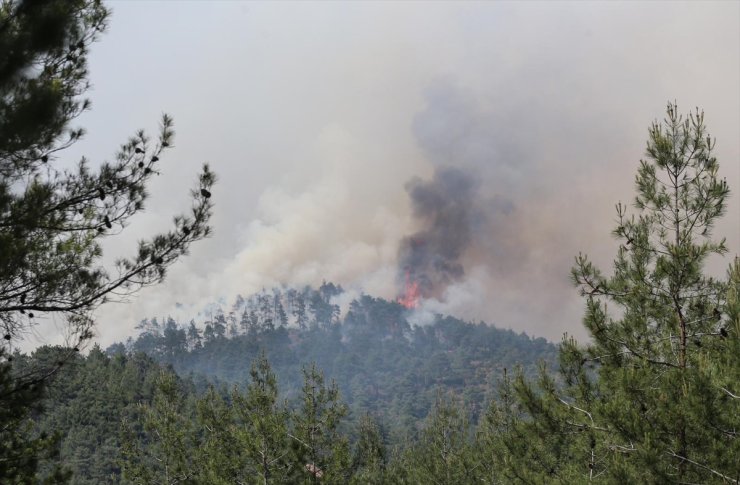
x=383 y=362
x=544 y=105
x=457 y=167
x=384 y=366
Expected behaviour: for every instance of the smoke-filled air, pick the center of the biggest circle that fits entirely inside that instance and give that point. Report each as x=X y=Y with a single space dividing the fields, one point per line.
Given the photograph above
x=455 y=158
x=354 y=243
x=431 y=259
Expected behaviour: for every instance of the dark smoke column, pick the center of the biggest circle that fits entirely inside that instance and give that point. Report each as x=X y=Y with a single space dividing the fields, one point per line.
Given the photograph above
x=429 y=260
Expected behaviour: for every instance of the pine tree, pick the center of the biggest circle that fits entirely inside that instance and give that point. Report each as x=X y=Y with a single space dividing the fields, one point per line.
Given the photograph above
x=370 y=456
x=159 y=448
x=52 y=220
x=497 y=434
x=321 y=453
x=280 y=315
x=263 y=430
x=443 y=454
x=20 y=447
x=299 y=311
x=648 y=399
x=218 y=457
x=194 y=336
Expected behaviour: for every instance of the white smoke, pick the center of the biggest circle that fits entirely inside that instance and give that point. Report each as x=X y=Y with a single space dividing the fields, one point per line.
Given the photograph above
x=316 y=115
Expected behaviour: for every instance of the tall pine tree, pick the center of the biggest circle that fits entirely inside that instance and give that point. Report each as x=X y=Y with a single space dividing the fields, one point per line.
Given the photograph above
x=651 y=398
x=263 y=425
x=320 y=451
x=52 y=220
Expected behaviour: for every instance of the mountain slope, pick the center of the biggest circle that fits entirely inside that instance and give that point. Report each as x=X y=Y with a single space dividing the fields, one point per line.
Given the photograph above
x=383 y=365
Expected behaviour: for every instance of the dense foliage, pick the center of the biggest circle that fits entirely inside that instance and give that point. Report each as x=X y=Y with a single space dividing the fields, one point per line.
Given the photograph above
x=381 y=384
x=85 y=405
x=382 y=364
x=52 y=219
x=318 y=397
x=653 y=396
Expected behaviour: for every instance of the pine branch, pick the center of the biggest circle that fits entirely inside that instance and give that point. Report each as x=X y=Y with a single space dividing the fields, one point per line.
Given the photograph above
x=704 y=467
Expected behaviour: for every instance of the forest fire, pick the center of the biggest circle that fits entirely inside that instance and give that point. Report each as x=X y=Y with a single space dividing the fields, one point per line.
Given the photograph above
x=411 y=294
x=431 y=258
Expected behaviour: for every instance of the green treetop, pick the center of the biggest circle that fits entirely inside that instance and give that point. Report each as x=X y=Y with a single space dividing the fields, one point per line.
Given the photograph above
x=649 y=398
x=52 y=220
x=657 y=355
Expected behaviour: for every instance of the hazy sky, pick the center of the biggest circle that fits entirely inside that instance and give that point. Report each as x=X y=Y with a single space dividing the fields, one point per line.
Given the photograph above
x=315 y=116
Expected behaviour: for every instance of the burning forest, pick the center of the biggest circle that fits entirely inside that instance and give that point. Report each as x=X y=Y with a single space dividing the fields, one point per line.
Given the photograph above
x=430 y=259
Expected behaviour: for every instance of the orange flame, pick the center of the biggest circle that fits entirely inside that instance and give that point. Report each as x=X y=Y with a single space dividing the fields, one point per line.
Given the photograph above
x=411 y=295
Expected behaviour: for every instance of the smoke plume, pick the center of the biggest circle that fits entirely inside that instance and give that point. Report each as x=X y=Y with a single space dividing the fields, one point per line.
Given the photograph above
x=446 y=208
x=524 y=122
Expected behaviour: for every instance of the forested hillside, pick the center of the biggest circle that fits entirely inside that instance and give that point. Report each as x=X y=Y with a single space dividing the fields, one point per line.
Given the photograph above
x=366 y=397
x=385 y=369
x=382 y=364
x=323 y=386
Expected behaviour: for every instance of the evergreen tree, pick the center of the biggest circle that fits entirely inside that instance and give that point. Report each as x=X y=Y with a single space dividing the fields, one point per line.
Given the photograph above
x=208 y=333
x=52 y=220
x=219 y=327
x=300 y=311
x=280 y=315
x=159 y=448
x=244 y=322
x=443 y=454
x=267 y=311
x=245 y=439
x=218 y=457
x=85 y=404
x=263 y=435
x=648 y=399
x=497 y=433
x=370 y=456
x=20 y=447
x=174 y=340
x=194 y=341
x=233 y=328
x=320 y=451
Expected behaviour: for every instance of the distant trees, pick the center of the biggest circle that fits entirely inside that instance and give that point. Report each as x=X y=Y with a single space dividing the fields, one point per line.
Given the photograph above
x=83 y=407
x=382 y=365
x=564 y=428
x=651 y=398
x=21 y=448
x=52 y=220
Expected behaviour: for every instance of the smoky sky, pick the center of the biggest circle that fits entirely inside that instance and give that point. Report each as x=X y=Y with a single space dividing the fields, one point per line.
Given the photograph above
x=466 y=211
x=446 y=207
x=519 y=125
x=455 y=128
x=463 y=209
